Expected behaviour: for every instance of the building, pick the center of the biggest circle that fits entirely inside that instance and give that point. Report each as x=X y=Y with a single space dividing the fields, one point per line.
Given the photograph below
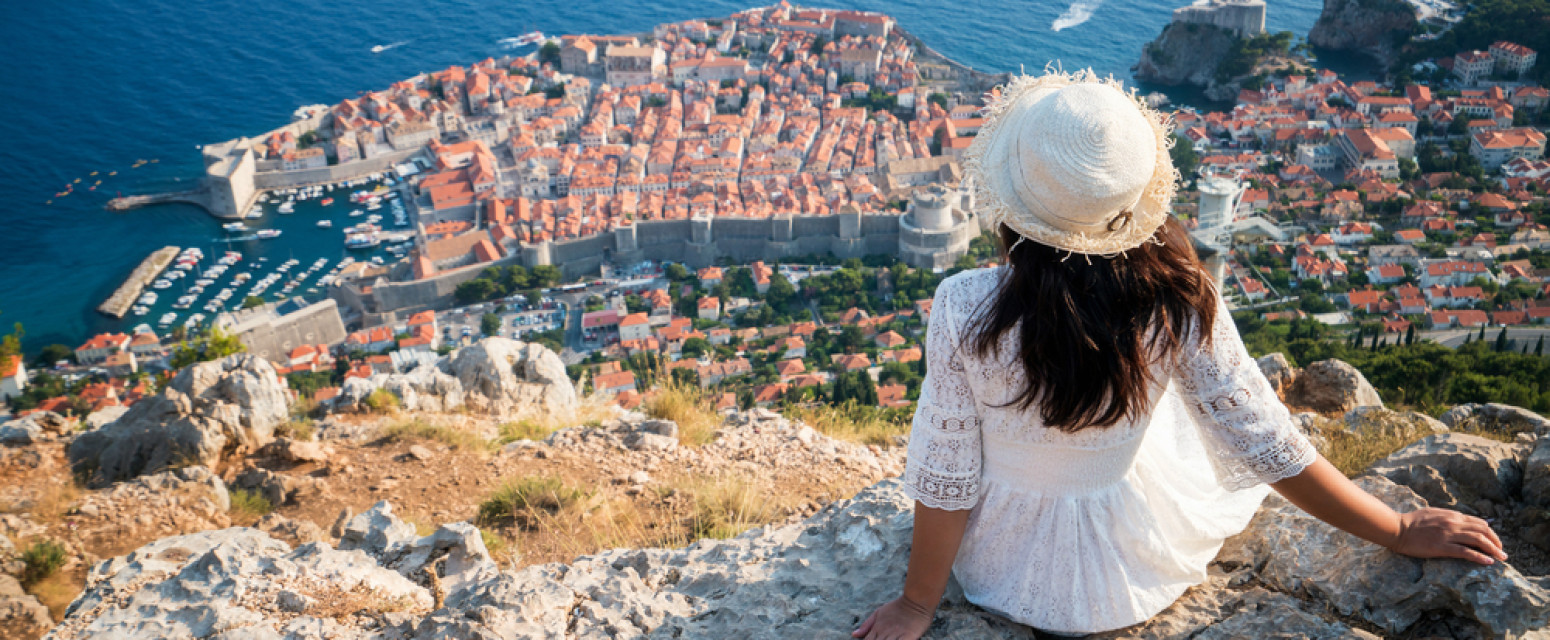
x=614 y=383
x=272 y=330
x=1244 y=18
x=1495 y=148
x=937 y=228
x=100 y=346
x=13 y=378
x=1218 y=199
x=1512 y=59
x=636 y=326
x=578 y=56
x=709 y=308
x=303 y=159
x=1376 y=150
x=1471 y=66
x=628 y=66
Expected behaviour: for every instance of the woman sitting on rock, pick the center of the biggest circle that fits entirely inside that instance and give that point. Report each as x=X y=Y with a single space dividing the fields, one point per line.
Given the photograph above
x=1091 y=427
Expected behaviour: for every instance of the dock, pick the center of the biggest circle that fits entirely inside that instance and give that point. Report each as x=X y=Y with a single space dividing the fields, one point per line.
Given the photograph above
x=118 y=304
x=124 y=203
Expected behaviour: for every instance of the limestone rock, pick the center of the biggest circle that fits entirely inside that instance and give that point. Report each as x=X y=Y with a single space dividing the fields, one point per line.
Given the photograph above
x=1184 y=54
x=1457 y=471
x=503 y=376
x=21 y=615
x=299 y=451
x=1331 y=386
x=103 y=417
x=209 y=409
x=274 y=487
x=1500 y=418
x=1369 y=26
x=1278 y=371
x=422 y=389
x=1536 y=475
x=34 y=428
x=1376 y=420
x=1292 y=552
x=230 y=582
x=292 y=532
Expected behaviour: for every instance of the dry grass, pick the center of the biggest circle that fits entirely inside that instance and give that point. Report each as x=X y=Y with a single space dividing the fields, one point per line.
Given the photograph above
x=1354 y=448
x=525 y=429
x=57 y=591
x=55 y=500
x=418 y=430
x=502 y=551
x=382 y=401
x=727 y=508
x=296 y=430
x=853 y=422
x=342 y=604
x=689 y=407
x=527 y=500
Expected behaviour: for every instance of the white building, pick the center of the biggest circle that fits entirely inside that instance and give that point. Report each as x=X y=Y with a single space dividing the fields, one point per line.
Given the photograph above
x=13 y=378
x=1471 y=66
x=1494 y=148
x=1512 y=59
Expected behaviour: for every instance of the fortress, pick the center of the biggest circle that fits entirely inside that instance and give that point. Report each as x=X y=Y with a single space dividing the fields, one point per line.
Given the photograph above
x=1244 y=18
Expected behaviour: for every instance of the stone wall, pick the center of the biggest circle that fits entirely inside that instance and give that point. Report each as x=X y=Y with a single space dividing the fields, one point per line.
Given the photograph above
x=273 y=339
x=335 y=173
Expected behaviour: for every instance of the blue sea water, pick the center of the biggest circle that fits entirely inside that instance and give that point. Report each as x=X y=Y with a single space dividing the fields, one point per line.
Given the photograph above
x=94 y=85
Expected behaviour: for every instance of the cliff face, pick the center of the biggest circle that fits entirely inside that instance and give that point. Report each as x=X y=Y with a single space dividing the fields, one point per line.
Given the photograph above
x=1188 y=54
x=1369 y=26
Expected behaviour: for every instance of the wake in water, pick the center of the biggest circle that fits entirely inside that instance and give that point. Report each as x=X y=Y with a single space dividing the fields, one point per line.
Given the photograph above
x=384 y=47
x=1079 y=12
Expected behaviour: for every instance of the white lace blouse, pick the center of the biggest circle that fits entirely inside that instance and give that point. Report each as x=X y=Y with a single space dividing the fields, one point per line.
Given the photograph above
x=1103 y=528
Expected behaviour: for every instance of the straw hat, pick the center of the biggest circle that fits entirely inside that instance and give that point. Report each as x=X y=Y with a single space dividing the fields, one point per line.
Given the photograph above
x=1075 y=162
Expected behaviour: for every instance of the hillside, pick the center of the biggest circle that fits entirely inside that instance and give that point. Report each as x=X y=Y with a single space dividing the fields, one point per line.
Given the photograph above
x=1212 y=58
x=1375 y=27
x=462 y=513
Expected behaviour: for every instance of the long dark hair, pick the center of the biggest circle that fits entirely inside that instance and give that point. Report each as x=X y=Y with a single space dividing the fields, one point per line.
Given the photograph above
x=1090 y=326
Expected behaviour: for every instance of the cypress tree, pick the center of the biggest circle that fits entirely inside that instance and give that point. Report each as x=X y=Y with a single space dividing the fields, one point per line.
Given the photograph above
x=1410 y=335
x=1501 y=340
x=1539 y=349
x=1482 y=333
x=1374 y=346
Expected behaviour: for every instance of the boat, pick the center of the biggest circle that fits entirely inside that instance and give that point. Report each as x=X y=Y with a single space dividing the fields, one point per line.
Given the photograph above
x=325 y=224
x=287 y=207
x=328 y=201
x=234 y=227
x=266 y=234
x=140 y=310
x=161 y=284
x=531 y=37
x=168 y=319
x=384 y=47
x=374 y=206
x=362 y=241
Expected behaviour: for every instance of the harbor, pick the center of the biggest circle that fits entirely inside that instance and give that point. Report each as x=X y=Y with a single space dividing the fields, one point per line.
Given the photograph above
x=118 y=305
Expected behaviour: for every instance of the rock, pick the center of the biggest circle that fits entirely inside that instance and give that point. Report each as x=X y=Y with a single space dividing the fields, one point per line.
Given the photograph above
x=1536 y=476
x=292 y=532
x=640 y=477
x=1495 y=417
x=422 y=389
x=502 y=376
x=21 y=615
x=1376 y=420
x=103 y=417
x=1331 y=386
x=35 y=427
x=1368 y=26
x=660 y=427
x=1189 y=54
x=299 y=451
x=1278 y=371
x=238 y=583
x=274 y=487
x=1457 y=471
x=208 y=410
x=418 y=452
x=336 y=530
x=640 y=441
x=1292 y=552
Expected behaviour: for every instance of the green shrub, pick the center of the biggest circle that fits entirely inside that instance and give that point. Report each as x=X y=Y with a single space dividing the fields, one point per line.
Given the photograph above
x=42 y=559
x=250 y=503
x=524 y=499
x=523 y=430
x=420 y=430
x=382 y=401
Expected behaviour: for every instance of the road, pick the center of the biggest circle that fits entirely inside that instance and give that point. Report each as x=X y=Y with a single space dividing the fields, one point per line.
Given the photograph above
x=1452 y=338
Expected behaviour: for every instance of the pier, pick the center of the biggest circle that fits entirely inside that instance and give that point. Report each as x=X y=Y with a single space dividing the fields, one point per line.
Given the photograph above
x=198 y=197
x=118 y=304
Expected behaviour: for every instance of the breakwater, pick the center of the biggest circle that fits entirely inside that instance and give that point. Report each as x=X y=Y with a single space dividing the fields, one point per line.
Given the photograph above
x=199 y=197
x=118 y=304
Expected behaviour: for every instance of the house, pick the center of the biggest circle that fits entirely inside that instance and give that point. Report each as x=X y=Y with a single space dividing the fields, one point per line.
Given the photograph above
x=761 y=276
x=906 y=356
x=709 y=308
x=422 y=338
x=852 y=361
x=709 y=277
x=13 y=378
x=891 y=396
x=1409 y=236
x=788 y=368
x=370 y=340
x=1495 y=148
x=791 y=347
x=1471 y=66
x=614 y=383
x=309 y=357
x=1385 y=273
x=768 y=394
x=1467 y=318
x=100 y=346
x=1253 y=290
x=1452 y=272
x=1511 y=59
x=889 y=340
x=636 y=326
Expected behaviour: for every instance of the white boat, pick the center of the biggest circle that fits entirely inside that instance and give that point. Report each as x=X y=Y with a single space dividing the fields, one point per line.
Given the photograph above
x=325 y=224
x=357 y=213
x=161 y=284
x=140 y=310
x=288 y=207
x=234 y=227
x=168 y=319
x=266 y=234
x=148 y=298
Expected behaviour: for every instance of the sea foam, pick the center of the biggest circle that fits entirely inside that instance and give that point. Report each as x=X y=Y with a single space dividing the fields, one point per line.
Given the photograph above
x=1079 y=12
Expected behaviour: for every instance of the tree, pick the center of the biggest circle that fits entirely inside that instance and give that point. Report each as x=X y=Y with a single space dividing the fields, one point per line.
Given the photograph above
x=490 y=324
x=694 y=347
x=252 y=301
x=212 y=344
x=1482 y=333
x=1501 y=341
x=54 y=353
x=549 y=53
x=676 y=272
x=1539 y=347
x=1184 y=157
x=1459 y=126
x=1410 y=335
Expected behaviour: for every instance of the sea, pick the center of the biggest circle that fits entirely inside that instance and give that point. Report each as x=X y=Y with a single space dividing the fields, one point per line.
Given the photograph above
x=102 y=85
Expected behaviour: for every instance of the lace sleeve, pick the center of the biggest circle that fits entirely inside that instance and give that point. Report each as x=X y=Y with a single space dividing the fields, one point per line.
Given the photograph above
x=942 y=470
x=1248 y=433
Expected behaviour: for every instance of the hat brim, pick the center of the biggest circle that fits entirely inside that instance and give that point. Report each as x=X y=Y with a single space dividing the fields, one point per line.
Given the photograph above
x=990 y=163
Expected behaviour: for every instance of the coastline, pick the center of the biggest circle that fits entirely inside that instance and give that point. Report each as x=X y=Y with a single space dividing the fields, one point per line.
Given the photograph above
x=118 y=304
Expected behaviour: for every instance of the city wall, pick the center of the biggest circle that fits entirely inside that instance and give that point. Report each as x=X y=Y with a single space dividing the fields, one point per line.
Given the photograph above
x=333 y=173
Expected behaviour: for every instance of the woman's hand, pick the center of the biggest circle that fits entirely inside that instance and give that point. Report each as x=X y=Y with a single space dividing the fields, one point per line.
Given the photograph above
x=900 y=619
x=1440 y=533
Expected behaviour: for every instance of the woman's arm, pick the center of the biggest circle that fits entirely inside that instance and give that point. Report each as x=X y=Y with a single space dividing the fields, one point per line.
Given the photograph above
x=937 y=535
x=1326 y=494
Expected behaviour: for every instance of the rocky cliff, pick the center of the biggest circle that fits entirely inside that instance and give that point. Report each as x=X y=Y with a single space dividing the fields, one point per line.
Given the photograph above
x=1188 y=54
x=1374 y=27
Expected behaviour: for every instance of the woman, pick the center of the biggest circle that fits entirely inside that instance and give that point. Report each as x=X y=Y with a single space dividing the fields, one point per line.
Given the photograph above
x=1091 y=428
